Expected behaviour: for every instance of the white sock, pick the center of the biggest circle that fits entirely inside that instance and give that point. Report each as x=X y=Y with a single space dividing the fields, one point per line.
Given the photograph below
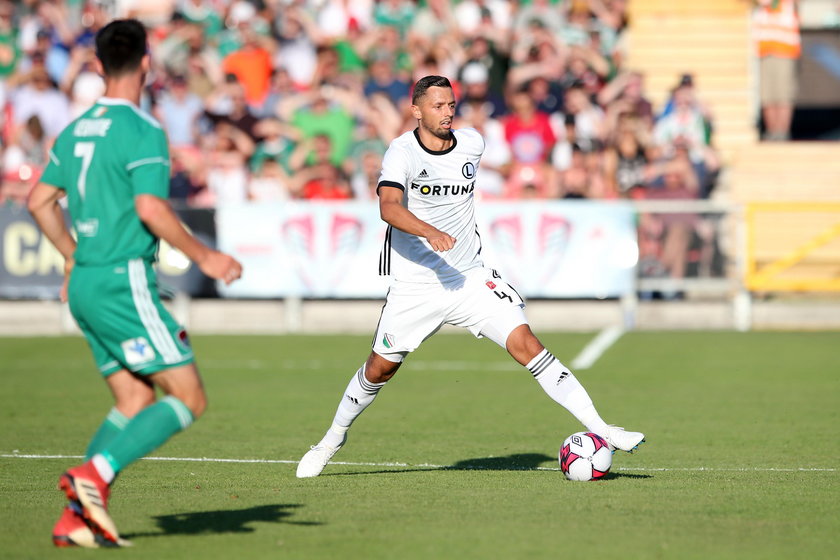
x=563 y=387
x=359 y=394
x=104 y=468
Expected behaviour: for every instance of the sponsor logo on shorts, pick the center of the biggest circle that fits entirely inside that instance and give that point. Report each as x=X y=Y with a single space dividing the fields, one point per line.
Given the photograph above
x=137 y=350
x=183 y=338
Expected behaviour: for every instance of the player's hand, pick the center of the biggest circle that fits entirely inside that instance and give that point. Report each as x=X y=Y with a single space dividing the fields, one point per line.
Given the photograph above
x=440 y=241
x=221 y=267
x=68 y=268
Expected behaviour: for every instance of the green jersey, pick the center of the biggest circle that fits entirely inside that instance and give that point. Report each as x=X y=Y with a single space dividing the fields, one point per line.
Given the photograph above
x=103 y=159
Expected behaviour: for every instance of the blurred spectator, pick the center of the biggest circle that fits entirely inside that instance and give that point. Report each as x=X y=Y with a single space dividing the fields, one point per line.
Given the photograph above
x=323 y=181
x=276 y=145
x=590 y=124
x=626 y=164
x=582 y=179
x=475 y=81
x=394 y=13
x=39 y=96
x=179 y=110
x=252 y=66
x=665 y=238
x=325 y=110
x=9 y=50
x=625 y=94
x=776 y=30
x=227 y=150
x=269 y=183
x=495 y=162
x=81 y=81
x=296 y=45
x=17 y=181
x=686 y=125
x=531 y=139
x=381 y=68
x=229 y=105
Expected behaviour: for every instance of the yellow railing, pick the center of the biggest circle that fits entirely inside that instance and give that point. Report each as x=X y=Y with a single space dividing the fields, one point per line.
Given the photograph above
x=792 y=246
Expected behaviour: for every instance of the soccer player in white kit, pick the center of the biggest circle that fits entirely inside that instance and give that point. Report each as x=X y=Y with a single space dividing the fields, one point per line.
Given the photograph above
x=433 y=253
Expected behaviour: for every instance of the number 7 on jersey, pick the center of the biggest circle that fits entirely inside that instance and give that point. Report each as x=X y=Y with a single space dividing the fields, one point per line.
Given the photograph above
x=83 y=150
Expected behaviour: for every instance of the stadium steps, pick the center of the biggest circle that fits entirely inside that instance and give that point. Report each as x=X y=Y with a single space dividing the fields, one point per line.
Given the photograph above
x=711 y=41
x=790 y=173
x=786 y=171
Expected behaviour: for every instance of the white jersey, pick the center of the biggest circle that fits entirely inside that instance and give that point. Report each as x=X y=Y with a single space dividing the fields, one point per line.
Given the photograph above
x=438 y=188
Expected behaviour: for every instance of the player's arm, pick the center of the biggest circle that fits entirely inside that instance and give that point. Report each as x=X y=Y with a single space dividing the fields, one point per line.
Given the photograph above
x=162 y=221
x=395 y=214
x=44 y=207
x=47 y=213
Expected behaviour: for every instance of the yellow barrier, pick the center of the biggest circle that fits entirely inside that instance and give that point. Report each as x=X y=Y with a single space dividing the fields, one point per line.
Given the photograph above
x=793 y=246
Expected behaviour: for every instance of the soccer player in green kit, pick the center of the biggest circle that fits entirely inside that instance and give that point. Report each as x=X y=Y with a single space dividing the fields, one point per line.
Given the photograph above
x=112 y=163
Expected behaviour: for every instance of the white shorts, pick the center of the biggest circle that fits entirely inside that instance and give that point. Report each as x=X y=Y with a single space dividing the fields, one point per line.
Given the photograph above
x=485 y=304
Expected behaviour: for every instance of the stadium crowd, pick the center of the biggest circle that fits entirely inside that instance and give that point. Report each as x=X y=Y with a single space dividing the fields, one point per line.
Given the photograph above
x=297 y=99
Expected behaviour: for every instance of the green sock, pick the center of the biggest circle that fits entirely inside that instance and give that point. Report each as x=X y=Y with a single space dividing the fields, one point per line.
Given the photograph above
x=113 y=425
x=147 y=431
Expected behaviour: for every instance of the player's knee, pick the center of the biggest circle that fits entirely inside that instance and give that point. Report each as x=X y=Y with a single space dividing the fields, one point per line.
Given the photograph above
x=195 y=401
x=523 y=345
x=380 y=370
x=198 y=405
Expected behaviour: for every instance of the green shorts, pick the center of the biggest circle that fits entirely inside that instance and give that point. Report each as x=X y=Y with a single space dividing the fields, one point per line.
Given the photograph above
x=119 y=311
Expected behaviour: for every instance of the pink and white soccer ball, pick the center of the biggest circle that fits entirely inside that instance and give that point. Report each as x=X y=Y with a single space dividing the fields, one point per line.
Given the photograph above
x=585 y=456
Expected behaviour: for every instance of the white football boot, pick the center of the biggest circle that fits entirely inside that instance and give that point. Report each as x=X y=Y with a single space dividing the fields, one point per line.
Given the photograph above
x=316 y=459
x=619 y=438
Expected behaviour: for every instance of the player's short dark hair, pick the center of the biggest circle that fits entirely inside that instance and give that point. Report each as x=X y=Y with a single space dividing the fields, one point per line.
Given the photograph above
x=120 y=46
x=423 y=84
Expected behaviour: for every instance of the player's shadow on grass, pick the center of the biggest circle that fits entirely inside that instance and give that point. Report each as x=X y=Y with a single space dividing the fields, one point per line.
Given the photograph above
x=515 y=462
x=221 y=521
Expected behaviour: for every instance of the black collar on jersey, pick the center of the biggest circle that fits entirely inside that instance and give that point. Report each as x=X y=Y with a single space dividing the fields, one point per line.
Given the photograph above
x=436 y=152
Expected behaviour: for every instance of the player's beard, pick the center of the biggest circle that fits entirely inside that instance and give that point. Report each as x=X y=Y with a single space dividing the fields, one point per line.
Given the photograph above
x=440 y=132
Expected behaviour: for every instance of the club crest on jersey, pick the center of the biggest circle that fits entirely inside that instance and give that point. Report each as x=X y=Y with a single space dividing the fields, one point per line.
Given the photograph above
x=388 y=340
x=468 y=170
x=137 y=350
x=444 y=190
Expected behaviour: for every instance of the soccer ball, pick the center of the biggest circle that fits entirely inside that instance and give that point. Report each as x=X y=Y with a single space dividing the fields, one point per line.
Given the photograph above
x=585 y=456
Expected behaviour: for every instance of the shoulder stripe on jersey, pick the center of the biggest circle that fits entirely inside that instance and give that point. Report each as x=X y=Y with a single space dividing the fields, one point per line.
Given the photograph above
x=137 y=111
x=385 y=256
x=389 y=184
x=54 y=159
x=146 y=161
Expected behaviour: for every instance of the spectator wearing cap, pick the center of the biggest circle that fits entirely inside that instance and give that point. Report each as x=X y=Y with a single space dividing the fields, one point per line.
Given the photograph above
x=494 y=57
x=475 y=79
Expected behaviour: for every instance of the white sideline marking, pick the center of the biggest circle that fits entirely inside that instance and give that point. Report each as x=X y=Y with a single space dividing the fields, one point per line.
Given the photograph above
x=428 y=465
x=595 y=349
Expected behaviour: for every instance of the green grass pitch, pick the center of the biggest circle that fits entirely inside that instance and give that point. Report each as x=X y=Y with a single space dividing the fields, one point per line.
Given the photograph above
x=457 y=456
